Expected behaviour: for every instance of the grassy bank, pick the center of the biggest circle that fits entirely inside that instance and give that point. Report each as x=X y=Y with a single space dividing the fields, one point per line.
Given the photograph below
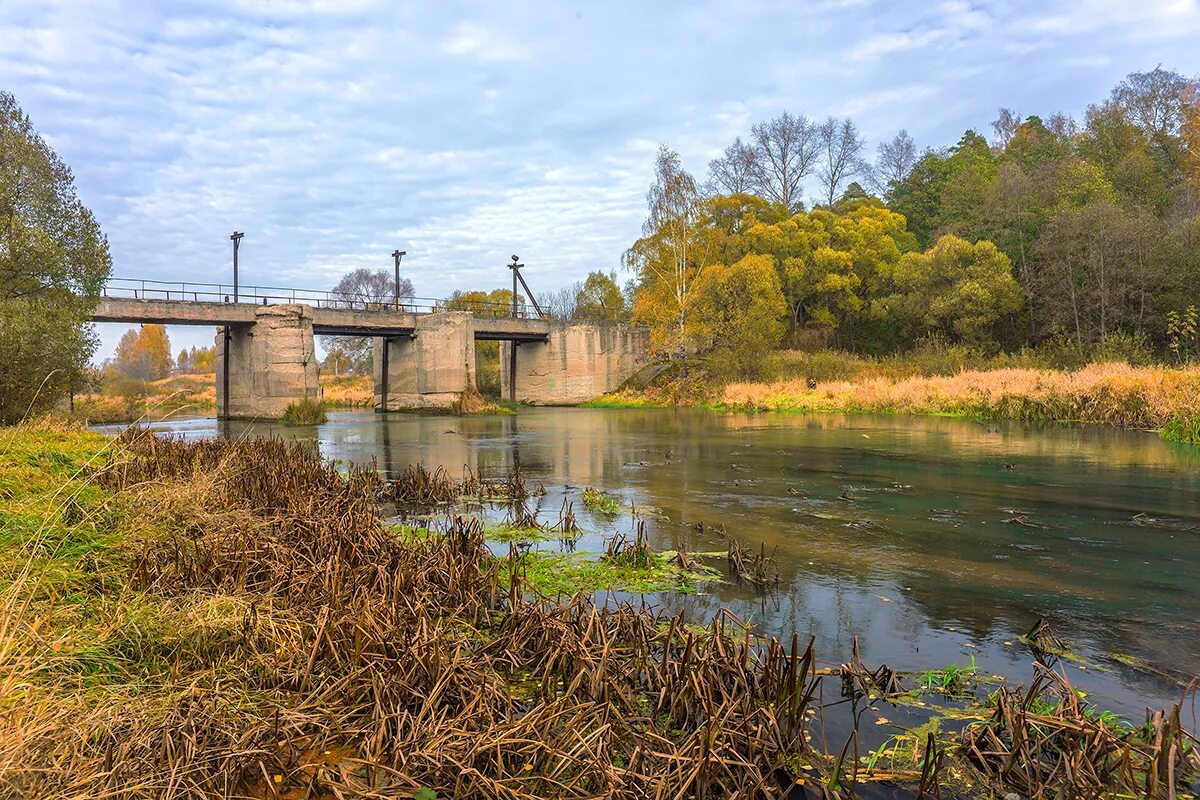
x=178 y=394
x=348 y=391
x=1159 y=398
x=197 y=394
x=1116 y=394
x=235 y=618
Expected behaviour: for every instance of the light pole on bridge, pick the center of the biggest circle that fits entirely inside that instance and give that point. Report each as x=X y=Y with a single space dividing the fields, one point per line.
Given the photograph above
x=397 y=255
x=237 y=240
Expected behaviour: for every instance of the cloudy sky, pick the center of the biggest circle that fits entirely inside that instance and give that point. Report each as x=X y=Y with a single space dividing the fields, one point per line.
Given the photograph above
x=335 y=131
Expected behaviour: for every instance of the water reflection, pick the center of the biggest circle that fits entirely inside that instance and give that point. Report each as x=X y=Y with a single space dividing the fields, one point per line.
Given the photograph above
x=932 y=539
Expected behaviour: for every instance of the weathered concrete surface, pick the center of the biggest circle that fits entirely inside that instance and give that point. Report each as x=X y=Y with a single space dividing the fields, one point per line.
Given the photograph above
x=173 y=312
x=430 y=369
x=271 y=363
x=578 y=362
x=343 y=321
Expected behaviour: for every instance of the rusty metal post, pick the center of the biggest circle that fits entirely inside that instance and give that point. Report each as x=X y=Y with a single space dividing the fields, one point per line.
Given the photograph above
x=383 y=365
x=512 y=370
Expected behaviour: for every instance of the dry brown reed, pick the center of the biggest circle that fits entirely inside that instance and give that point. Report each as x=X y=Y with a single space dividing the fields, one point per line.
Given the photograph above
x=754 y=568
x=418 y=486
x=363 y=665
x=1046 y=742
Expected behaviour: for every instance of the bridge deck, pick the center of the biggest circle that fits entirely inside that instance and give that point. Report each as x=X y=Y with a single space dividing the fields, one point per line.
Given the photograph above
x=326 y=321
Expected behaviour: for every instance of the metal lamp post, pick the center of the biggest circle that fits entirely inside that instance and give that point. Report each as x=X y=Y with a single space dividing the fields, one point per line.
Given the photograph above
x=397 y=255
x=237 y=240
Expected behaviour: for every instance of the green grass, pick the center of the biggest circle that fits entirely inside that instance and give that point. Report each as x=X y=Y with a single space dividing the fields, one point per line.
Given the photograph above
x=951 y=680
x=600 y=501
x=508 y=532
x=565 y=574
x=1183 y=427
x=304 y=411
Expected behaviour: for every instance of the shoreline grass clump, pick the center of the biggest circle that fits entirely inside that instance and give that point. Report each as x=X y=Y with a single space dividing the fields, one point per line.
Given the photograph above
x=417 y=485
x=1183 y=427
x=1047 y=741
x=304 y=411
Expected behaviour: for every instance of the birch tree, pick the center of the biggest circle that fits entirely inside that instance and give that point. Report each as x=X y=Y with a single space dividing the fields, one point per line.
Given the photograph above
x=666 y=257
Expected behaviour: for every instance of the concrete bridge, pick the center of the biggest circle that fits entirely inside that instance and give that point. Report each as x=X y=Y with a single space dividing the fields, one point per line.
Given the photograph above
x=424 y=356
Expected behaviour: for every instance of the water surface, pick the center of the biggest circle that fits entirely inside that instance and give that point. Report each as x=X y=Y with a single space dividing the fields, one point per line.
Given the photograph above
x=934 y=540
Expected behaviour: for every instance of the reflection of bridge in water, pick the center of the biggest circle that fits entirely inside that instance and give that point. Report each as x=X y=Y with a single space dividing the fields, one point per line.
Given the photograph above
x=425 y=352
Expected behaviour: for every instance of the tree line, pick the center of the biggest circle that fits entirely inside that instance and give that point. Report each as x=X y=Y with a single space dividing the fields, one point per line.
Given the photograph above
x=1079 y=231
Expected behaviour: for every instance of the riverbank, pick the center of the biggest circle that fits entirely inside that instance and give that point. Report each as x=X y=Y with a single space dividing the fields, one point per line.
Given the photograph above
x=236 y=617
x=1153 y=398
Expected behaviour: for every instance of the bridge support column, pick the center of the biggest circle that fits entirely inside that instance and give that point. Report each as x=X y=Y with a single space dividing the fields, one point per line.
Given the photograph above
x=578 y=362
x=431 y=369
x=271 y=363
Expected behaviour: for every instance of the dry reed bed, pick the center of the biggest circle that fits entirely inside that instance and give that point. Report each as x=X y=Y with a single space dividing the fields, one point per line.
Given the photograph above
x=368 y=666
x=1140 y=397
x=335 y=659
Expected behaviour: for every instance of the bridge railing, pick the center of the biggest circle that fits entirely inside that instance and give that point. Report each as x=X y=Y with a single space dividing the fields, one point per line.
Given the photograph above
x=145 y=289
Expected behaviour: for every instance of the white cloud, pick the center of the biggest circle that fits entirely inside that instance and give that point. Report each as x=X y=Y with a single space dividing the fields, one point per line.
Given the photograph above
x=486 y=44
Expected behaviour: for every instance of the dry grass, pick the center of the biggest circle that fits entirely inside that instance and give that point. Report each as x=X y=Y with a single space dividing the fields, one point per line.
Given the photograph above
x=1118 y=394
x=197 y=394
x=348 y=391
x=188 y=394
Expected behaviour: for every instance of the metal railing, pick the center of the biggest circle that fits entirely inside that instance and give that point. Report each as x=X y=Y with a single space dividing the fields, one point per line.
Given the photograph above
x=145 y=289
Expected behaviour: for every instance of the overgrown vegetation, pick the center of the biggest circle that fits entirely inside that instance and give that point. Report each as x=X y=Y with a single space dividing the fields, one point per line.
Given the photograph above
x=235 y=618
x=304 y=411
x=1117 y=394
x=119 y=398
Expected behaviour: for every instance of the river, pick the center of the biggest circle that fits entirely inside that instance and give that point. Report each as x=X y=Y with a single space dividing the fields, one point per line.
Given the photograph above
x=933 y=540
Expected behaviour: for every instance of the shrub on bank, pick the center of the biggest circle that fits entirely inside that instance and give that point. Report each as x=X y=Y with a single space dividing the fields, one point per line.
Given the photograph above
x=304 y=411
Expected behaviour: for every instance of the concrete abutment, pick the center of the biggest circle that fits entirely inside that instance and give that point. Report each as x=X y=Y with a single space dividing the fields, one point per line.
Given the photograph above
x=577 y=362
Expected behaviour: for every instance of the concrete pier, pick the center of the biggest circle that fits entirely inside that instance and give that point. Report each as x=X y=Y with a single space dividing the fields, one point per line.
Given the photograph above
x=271 y=363
x=577 y=362
x=431 y=368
